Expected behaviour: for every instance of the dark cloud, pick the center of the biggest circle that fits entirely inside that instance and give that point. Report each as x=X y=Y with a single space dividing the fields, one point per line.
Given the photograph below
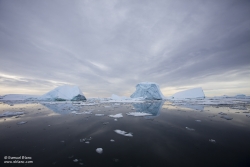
x=108 y=47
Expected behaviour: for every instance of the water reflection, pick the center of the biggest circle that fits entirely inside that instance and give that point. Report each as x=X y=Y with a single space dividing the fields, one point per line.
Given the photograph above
x=61 y=108
x=149 y=107
x=192 y=106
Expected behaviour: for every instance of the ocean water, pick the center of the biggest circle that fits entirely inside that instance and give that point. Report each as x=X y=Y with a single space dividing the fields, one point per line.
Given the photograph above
x=51 y=135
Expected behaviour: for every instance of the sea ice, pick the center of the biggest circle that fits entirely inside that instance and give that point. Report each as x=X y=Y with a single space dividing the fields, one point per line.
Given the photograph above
x=10 y=114
x=20 y=123
x=222 y=113
x=99 y=114
x=78 y=113
x=148 y=90
x=226 y=117
x=123 y=133
x=99 y=150
x=138 y=114
x=116 y=115
x=190 y=129
x=212 y=140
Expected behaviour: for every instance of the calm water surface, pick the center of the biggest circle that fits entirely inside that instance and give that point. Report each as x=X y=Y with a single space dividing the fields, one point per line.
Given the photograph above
x=51 y=136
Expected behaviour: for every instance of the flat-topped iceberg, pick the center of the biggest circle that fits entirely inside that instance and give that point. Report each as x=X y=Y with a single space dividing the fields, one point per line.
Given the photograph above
x=65 y=92
x=18 y=97
x=148 y=91
x=190 y=93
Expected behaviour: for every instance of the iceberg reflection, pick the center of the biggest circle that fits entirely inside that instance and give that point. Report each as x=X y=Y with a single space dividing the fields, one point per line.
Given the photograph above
x=149 y=107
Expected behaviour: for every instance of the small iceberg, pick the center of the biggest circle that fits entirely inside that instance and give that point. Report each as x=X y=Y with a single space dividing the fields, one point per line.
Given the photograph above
x=123 y=133
x=116 y=115
x=138 y=114
x=99 y=150
x=10 y=114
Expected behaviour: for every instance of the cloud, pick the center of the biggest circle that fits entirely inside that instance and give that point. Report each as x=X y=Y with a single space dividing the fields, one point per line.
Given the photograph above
x=109 y=46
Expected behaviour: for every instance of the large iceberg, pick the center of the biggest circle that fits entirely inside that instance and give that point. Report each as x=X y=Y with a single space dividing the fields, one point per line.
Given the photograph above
x=65 y=92
x=148 y=90
x=190 y=93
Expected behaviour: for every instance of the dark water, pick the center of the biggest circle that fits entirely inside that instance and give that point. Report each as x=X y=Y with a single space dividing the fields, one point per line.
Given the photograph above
x=51 y=136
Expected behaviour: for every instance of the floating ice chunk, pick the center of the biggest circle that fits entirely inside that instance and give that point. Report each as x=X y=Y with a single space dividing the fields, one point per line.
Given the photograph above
x=222 y=113
x=190 y=129
x=82 y=140
x=71 y=156
x=138 y=114
x=245 y=112
x=115 y=119
x=87 y=142
x=99 y=150
x=78 y=113
x=62 y=141
x=198 y=120
x=99 y=114
x=105 y=123
x=75 y=160
x=123 y=133
x=248 y=115
x=239 y=107
x=212 y=140
x=10 y=114
x=20 y=123
x=112 y=140
x=116 y=115
x=107 y=106
x=226 y=117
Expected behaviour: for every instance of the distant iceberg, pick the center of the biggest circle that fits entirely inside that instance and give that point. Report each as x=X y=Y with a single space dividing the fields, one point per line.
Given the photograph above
x=18 y=97
x=148 y=91
x=65 y=92
x=190 y=93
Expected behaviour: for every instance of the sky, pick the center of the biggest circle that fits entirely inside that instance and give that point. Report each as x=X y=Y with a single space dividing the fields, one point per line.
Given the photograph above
x=107 y=47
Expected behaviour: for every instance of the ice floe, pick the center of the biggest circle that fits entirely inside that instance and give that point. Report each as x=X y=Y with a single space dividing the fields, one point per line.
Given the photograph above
x=116 y=115
x=138 y=114
x=123 y=133
x=10 y=114
x=112 y=140
x=78 y=113
x=190 y=129
x=212 y=140
x=99 y=150
x=99 y=114
x=21 y=123
x=226 y=117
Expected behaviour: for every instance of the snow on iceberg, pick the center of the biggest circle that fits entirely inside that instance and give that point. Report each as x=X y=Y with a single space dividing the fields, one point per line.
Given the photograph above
x=190 y=93
x=65 y=92
x=148 y=90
